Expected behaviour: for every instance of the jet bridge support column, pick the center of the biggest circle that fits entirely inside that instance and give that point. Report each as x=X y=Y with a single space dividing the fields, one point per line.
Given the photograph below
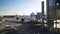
x=47 y=11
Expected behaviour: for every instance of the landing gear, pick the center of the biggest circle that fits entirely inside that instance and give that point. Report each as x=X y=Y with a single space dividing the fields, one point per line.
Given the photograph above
x=22 y=20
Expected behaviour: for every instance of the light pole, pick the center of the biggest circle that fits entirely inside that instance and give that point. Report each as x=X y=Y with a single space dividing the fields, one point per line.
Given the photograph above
x=42 y=15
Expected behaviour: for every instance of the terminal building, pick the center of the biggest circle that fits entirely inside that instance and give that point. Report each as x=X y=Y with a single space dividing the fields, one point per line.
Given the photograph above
x=53 y=12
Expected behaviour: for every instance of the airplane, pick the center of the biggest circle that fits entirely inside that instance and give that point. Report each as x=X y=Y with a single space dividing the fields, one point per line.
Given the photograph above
x=17 y=16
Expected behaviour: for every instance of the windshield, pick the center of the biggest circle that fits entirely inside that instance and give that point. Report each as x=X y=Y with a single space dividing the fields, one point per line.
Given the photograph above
x=26 y=17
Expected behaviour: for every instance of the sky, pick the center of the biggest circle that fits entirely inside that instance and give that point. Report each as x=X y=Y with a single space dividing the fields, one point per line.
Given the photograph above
x=21 y=7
